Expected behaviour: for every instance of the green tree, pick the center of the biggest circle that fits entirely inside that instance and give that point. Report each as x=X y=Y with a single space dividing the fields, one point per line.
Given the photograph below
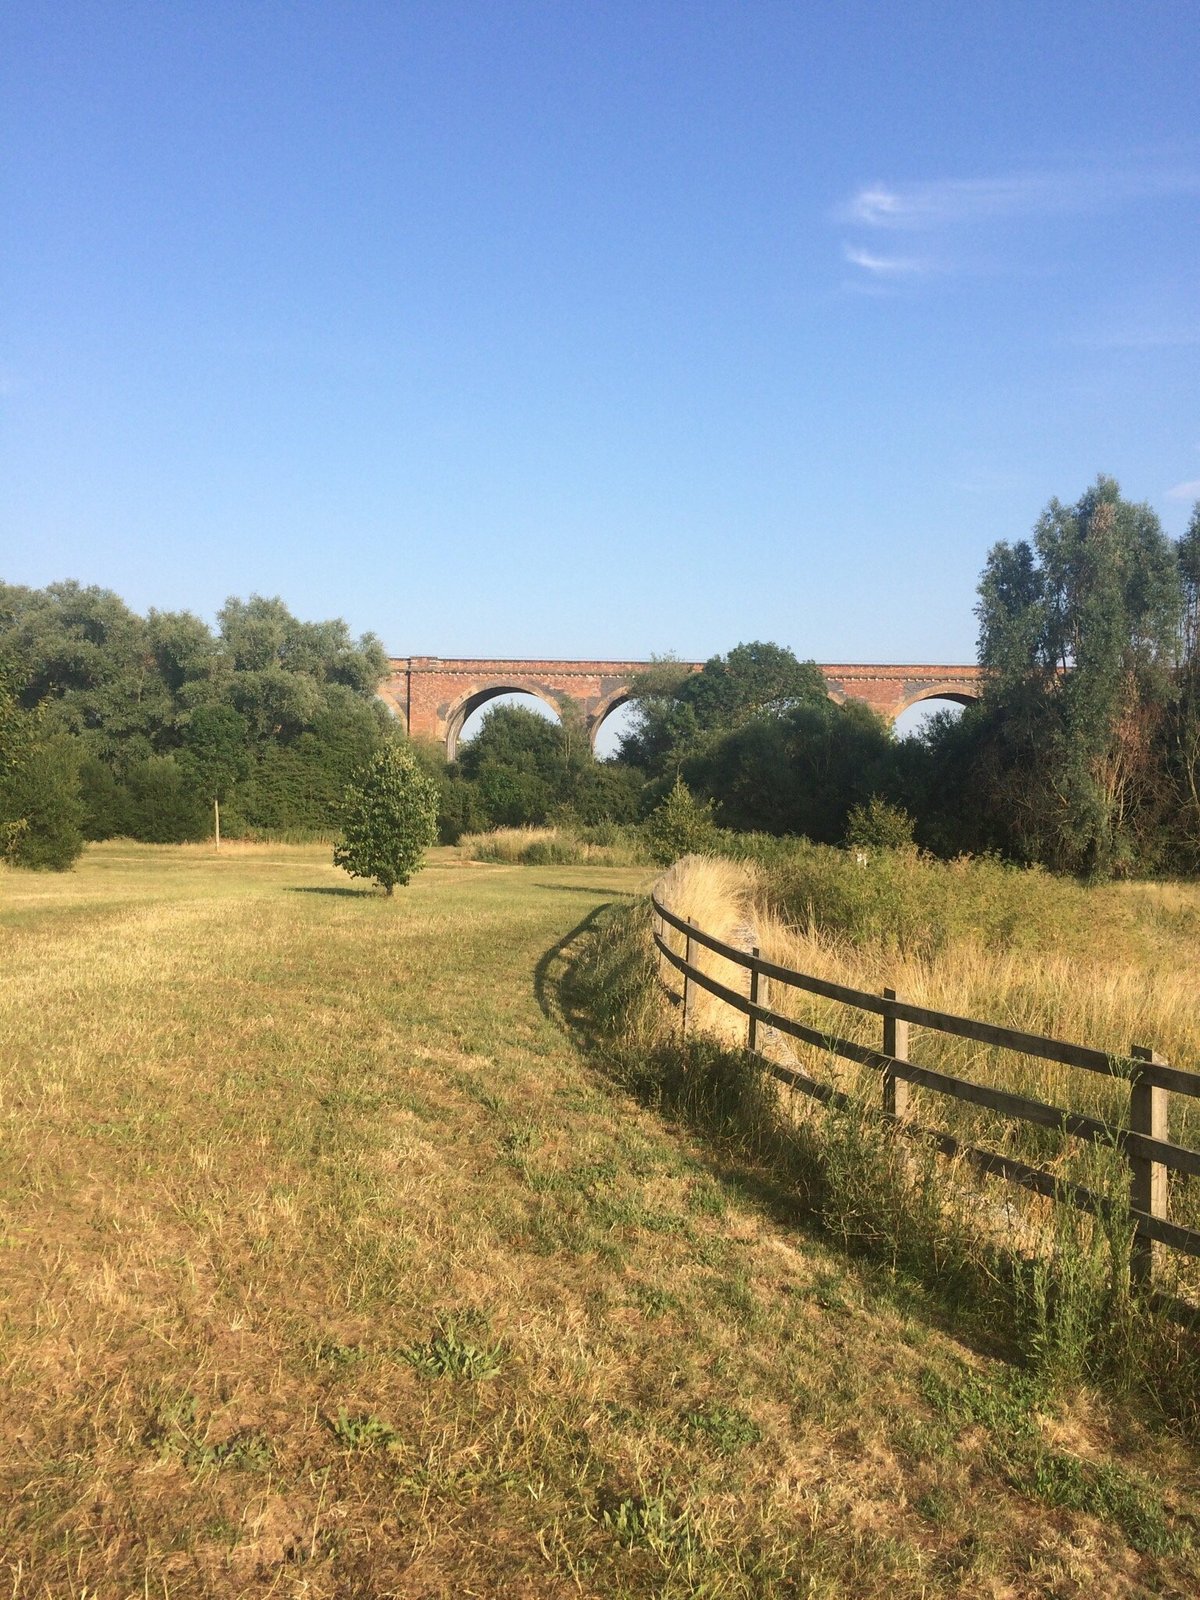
x=796 y=773
x=528 y=770
x=460 y=806
x=162 y=804
x=661 y=726
x=215 y=755
x=676 y=710
x=389 y=819
x=753 y=681
x=40 y=807
x=879 y=826
x=86 y=656
x=1079 y=629
x=1184 y=737
x=136 y=692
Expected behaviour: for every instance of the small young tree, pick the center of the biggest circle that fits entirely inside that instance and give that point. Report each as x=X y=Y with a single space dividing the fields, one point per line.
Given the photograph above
x=680 y=826
x=389 y=818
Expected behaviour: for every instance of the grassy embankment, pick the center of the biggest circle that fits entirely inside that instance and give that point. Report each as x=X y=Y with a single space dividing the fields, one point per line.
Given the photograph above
x=330 y=1264
x=1107 y=967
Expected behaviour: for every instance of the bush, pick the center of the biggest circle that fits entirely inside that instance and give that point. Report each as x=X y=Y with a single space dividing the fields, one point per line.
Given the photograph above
x=389 y=819
x=40 y=807
x=105 y=801
x=680 y=826
x=606 y=845
x=162 y=805
x=913 y=902
x=879 y=826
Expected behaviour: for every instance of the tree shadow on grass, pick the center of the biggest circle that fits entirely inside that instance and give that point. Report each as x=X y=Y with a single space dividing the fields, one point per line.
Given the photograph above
x=588 y=888
x=310 y=888
x=550 y=988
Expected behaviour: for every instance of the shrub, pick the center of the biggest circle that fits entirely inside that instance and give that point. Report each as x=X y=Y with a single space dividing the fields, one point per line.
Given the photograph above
x=879 y=826
x=40 y=808
x=162 y=805
x=680 y=826
x=607 y=845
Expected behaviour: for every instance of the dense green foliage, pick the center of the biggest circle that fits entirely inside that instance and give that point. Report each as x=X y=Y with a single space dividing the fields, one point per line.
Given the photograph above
x=269 y=716
x=756 y=734
x=680 y=826
x=1080 y=628
x=40 y=809
x=389 y=819
x=523 y=771
x=906 y=900
x=1083 y=754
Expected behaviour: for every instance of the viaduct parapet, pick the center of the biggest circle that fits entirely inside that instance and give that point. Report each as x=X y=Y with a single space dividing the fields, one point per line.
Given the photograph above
x=433 y=696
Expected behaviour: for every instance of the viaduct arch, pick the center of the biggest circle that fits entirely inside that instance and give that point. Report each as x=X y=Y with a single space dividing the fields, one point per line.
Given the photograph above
x=433 y=696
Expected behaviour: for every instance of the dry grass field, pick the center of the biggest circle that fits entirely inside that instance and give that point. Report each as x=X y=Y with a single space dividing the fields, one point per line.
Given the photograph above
x=332 y=1264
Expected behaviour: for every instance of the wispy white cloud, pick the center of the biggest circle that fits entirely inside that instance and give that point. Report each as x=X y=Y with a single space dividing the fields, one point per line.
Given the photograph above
x=884 y=266
x=951 y=214
x=1185 y=491
x=945 y=201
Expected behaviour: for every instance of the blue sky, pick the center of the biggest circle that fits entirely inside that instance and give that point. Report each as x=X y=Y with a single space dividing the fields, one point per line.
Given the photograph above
x=590 y=329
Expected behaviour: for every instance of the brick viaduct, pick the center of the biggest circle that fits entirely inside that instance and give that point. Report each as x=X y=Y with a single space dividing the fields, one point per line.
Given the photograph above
x=433 y=697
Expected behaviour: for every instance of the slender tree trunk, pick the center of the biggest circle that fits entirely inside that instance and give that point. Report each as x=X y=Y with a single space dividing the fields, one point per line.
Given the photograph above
x=217 y=822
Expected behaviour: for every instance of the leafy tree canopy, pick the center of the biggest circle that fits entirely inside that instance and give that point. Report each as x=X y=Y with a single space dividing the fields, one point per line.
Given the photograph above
x=753 y=680
x=1081 y=629
x=40 y=808
x=389 y=819
x=676 y=708
x=512 y=736
x=135 y=691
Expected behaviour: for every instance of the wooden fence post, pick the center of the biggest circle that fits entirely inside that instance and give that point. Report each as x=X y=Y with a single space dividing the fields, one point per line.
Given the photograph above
x=689 y=988
x=1147 y=1178
x=895 y=1044
x=752 y=1028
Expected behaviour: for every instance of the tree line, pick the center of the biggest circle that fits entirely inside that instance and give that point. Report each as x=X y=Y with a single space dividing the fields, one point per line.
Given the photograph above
x=1082 y=755
x=140 y=726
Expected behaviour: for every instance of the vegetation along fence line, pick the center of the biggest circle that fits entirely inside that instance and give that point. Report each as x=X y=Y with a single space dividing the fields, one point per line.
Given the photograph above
x=1144 y=1143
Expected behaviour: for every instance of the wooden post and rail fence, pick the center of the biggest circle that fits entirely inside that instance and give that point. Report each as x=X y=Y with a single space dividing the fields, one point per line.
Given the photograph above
x=1148 y=1151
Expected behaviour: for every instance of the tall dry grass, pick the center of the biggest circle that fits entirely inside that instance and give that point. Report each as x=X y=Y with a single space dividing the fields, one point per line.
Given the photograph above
x=718 y=897
x=608 y=846
x=1138 y=988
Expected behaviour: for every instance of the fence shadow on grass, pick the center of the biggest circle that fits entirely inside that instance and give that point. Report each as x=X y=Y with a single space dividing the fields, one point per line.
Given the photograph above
x=820 y=1177
x=663 y=1087
x=589 y=889
x=549 y=989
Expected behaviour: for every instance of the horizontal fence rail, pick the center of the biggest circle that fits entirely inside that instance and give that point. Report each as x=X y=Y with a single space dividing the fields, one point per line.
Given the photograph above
x=1148 y=1152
